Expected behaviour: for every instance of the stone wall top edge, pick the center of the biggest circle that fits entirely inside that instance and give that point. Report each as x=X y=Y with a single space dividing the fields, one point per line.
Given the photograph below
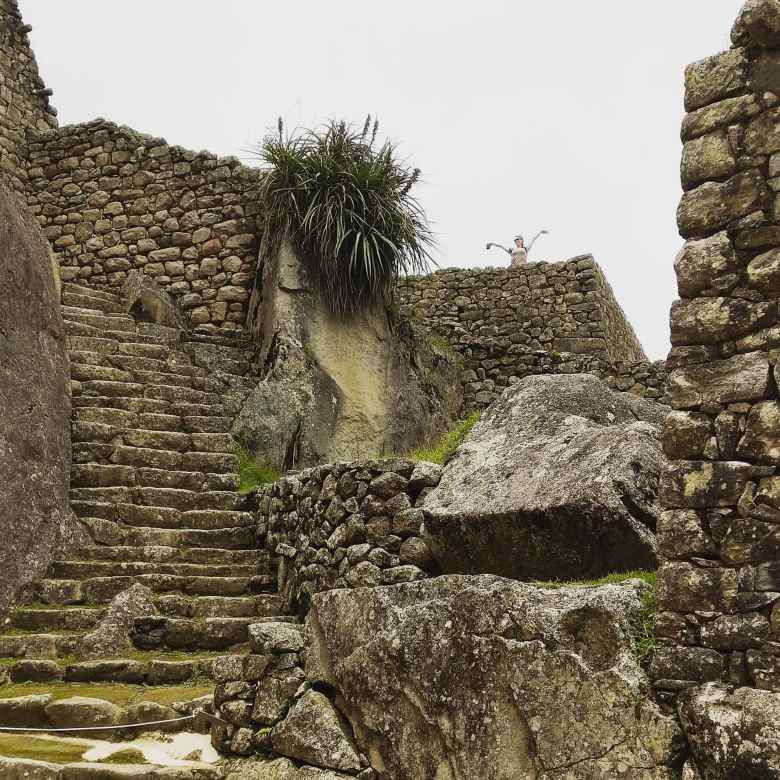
x=142 y=139
x=506 y=271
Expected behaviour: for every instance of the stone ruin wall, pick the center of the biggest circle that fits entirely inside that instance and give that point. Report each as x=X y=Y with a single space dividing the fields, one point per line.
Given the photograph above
x=111 y=200
x=719 y=590
x=24 y=99
x=544 y=318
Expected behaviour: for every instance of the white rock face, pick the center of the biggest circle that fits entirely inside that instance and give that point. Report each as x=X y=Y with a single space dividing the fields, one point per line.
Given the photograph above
x=445 y=677
x=558 y=480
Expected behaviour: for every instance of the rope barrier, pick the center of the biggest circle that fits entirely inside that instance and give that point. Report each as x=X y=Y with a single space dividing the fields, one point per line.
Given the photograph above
x=102 y=728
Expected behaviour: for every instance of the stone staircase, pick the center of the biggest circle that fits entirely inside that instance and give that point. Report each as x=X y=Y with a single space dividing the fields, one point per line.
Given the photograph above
x=155 y=484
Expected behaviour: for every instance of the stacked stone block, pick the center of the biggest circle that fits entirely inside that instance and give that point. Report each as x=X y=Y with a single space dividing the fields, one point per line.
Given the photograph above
x=111 y=200
x=24 y=99
x=719 y=590
x=347 y=525
x=543 y=318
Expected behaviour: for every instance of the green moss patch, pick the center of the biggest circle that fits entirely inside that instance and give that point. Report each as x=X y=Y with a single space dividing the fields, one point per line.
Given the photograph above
x=55 y=751
x=129 y=756
x=251 y=473
x=442 y=450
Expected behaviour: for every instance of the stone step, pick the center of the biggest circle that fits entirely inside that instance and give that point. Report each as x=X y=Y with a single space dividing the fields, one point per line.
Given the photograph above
x=126 y=671
x=268 y=605
x=80 y=300
x=82 y=570
x=187 y=634
x=160 y=517
x=210 y=555
x=80 y=289
x=89 y=372
x=176 y=394
x=96 y=475
x=61 y=619
x=174 y=498
x=92 y=344
x=166 y=339
x=177 y=364
x=39 y=645
x=206 y=424
x=100 y=590
x=164 y=378
x=147 y=405
x=106 y=322
x=224 y=538
x=121 y=418
x=124 y=389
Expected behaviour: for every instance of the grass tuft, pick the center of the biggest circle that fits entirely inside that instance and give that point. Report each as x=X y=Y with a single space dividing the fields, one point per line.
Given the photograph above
x=127 y=756
x=442 y=450
x=343 y=200
x=251 y=473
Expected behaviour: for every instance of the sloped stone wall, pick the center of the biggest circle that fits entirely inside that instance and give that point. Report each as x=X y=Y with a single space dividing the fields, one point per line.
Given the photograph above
x=543 y=318
x=24 y=100
x=110 y=200
x=719 y=591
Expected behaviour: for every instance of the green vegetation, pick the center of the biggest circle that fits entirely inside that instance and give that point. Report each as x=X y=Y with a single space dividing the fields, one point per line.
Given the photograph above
x=441 y=451
x=344 y=203
x=55 y=751
x=251 y=473
x=127 y=756
x=610 y=579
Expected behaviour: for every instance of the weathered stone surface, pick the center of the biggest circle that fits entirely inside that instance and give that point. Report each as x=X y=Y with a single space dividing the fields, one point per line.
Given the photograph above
x=761 y=441
x=764 y=272
x=541 y=487
x=313 y=733
x=280 y=769
x=683 y=587
x=686 y=435
x=35 y=401
x=713 y=205
x=452 y=675
x=700 y=264
x=732 y=733
x=740 y=378
x=25 y=711
x=84 y=712
x=276 y=637
x=710 y=320
x=707 y=157
x=758 y=24
x=702 y=484
x=715 y=78
x=149 y=303
x=111 y=636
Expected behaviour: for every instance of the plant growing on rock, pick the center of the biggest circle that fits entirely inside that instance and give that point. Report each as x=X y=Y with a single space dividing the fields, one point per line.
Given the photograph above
x=344 y=202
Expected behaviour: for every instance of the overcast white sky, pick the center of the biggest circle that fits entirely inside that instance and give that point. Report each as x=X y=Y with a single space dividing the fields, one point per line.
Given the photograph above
x=522 y=115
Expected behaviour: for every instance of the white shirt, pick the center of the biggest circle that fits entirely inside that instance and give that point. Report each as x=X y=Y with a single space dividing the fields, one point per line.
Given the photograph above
x=519 y=256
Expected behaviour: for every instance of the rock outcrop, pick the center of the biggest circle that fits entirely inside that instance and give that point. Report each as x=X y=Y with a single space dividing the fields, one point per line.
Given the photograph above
x=338 y=388
x=447 y=677
x=558 y=480
x=35 y=402
x=733 y=733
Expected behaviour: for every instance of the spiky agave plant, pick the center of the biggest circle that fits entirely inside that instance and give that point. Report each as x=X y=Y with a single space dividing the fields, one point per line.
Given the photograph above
x=344 y=201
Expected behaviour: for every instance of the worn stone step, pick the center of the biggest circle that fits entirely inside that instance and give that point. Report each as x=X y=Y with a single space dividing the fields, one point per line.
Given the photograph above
x=80 y=300
x=136 y=337
x=119 y=418
x=134 y=404
x=187 y=480
x=146 y=363
x=39 y=645
x=81 y=570
x=211 y=555
x=187 y=499
x=88 y=358
x=89 y=452
x=160 y=331
x=164 y=379
x=212 y=462
x=184 y=409
x=92 y=292
x=212 y=442
x=89 y=372
x=44 y=620
x=175 y=394
x=225 y=538
x=101 y=387
x=105 y=322
x=93 y=344
x=150 y=457
x=116 y=511
x=219 y=606
x=192 y=634
x=100 y=590
x=96 y=433
x=143 y=350
x=158 y=440
x=94 y=475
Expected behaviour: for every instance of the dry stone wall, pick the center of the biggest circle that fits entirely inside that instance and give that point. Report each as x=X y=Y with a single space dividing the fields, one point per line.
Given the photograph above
x=543 y=318
x=111 y=200
x=719 y=590
x=24 y=99
x=347 y=525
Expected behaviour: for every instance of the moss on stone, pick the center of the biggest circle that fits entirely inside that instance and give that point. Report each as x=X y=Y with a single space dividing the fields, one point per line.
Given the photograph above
x=56 y=751
x=128 y=756
x=251 y=473
x=441 y=451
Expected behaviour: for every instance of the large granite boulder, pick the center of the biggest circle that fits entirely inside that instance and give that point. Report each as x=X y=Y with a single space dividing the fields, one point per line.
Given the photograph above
x=458 y=676
x=733 y=733
x=558 y=480
x=34 y=402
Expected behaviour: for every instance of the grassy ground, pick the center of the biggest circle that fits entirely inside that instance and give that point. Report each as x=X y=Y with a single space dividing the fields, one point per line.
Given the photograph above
x=251 y=473
x=610 y=579
x=136 y=655
x=54 y=751
x=121 y=695
x=441 y=451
